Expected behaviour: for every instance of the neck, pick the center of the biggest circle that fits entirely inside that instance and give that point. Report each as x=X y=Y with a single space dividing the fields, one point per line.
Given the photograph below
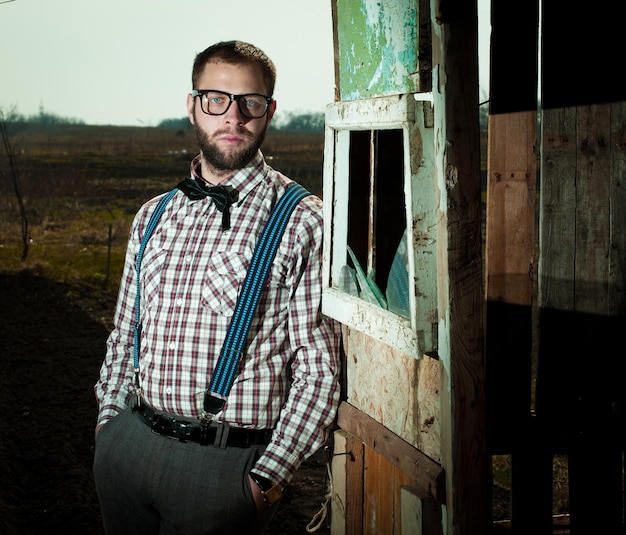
x=212 y=175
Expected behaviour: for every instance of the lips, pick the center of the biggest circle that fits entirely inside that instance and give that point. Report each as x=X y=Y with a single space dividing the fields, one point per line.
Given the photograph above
x=231 y=138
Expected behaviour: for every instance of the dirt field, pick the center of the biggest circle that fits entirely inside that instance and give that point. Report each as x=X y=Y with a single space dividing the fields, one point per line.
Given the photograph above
x=78 y=182
x=51 y=347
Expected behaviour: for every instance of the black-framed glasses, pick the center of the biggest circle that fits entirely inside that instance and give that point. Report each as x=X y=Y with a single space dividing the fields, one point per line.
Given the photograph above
x=213 y=102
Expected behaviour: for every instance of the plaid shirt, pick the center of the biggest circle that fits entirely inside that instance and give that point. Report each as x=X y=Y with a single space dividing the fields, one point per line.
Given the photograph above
x=191 y=274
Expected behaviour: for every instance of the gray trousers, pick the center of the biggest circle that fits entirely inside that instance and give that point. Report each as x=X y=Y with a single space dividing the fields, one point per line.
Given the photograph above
x=148 y=484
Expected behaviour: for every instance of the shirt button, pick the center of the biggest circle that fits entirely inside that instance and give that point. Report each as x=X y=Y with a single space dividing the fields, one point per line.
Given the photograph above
x=179 y=301
x=189 y=258
x=172 y=345
x=168 y=390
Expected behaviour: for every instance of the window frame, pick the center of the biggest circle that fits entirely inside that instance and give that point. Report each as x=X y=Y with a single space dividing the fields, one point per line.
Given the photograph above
x=410 y=113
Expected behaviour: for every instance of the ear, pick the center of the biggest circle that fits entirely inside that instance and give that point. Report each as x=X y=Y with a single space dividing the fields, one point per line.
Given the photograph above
x=270 y=111
x=190 y=108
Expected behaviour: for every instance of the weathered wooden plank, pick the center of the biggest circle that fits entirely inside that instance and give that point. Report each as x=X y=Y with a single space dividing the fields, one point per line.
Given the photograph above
x=511 y=186
x=347 y=469
x=340 y=486
x=460 y=265
x=420 y=514
x=557 y=359
x=558 y=209
x=617 y=269
x=426 y=428
x=387 y=327
x=378 y=507
x=365 y=114
x=617 y=247
x=578 y=315
x=422 y=197
x=400 y=481
x=592 y=210
x=509 y=275
x=427 y=474
x=383 y=484
x=383 y=494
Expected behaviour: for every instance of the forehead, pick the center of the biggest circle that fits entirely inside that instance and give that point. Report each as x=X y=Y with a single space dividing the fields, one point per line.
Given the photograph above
x=236 y=79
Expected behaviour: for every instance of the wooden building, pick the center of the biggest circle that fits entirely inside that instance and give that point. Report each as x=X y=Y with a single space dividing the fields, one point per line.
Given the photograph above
x=478 y=321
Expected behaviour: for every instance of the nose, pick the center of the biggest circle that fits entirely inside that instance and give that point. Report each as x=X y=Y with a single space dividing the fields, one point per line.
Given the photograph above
x=233 y=113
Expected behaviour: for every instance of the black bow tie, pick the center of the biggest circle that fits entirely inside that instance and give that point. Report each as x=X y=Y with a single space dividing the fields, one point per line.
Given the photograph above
x=223 y=196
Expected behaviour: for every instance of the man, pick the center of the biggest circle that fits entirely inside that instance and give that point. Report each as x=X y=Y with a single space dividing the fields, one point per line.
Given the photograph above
x=162 y=463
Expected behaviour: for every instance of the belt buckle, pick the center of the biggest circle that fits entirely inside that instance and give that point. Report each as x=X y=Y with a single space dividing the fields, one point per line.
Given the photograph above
x=181 y=430
x=221 y=434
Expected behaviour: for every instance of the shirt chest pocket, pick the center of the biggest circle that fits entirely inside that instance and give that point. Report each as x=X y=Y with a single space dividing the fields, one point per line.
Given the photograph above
x=224 y=277
x=274 y=301
x=151 y=276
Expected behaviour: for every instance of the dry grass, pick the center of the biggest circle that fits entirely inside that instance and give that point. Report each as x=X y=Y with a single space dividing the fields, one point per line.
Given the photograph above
x=83 y=184
x=501 y=470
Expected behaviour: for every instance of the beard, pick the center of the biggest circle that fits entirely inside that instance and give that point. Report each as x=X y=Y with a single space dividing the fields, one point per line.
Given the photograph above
x=229 y=161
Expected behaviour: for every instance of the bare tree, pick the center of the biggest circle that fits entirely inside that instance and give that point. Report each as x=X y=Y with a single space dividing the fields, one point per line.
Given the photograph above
x=14 y=177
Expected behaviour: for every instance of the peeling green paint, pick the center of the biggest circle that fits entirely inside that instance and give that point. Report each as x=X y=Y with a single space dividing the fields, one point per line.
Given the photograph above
x=377 y=47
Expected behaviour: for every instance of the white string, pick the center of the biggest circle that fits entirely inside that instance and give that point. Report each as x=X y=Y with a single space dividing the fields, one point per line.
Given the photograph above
x=320 y=516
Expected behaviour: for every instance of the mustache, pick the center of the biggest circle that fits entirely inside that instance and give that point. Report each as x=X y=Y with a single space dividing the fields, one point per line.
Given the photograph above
x=237 y=130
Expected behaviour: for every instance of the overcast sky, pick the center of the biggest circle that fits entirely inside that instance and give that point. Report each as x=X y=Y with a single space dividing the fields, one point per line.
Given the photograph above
x=128 y=62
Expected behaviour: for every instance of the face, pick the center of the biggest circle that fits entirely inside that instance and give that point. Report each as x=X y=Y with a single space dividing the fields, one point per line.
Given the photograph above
x=228 y=142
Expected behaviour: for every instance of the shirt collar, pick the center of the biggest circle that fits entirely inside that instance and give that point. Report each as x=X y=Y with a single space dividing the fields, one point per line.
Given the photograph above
x=243 y=180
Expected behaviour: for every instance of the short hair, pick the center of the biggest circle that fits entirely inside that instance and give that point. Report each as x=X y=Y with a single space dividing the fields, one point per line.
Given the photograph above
x=235 y=53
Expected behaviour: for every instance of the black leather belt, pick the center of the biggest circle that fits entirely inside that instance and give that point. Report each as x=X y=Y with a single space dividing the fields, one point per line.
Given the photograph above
x=215 y=433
